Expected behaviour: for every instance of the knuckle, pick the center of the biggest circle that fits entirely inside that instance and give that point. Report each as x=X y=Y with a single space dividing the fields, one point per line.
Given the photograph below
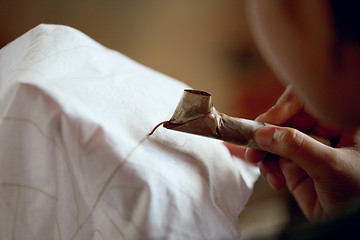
x=292 y=142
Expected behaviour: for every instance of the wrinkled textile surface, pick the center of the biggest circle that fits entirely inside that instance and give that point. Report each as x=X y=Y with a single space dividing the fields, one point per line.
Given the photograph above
x=75 y=162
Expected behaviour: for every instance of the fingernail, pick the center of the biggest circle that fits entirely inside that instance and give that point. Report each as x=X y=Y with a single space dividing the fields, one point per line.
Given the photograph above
x=271 y=179
x=264 y=136
x=247 y=155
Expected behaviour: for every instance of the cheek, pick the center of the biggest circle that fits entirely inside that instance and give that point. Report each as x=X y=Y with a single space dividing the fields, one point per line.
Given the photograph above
x=298 y=47
x=274 y=36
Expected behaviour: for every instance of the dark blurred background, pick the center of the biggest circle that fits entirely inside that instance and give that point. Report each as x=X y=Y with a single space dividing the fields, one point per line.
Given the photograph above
x=206 y=44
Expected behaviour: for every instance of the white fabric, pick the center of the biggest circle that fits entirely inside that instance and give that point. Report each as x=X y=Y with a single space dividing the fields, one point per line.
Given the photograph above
x=71 y=115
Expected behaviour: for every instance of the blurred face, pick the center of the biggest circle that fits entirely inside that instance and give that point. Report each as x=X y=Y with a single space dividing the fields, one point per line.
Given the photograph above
x=298 y=41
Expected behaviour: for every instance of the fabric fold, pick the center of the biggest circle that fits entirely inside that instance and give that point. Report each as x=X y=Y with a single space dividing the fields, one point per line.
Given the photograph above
x=76 y=161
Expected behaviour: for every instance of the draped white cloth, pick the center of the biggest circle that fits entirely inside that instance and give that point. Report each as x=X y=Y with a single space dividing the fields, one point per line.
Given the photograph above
x=75 y=162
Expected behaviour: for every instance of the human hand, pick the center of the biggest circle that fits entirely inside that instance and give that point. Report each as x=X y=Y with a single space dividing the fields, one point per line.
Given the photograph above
x=319 y=164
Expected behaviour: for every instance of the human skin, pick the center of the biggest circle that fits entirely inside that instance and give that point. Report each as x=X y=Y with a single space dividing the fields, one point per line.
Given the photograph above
x=319 y=163
x=298 y=41
x=316 y=152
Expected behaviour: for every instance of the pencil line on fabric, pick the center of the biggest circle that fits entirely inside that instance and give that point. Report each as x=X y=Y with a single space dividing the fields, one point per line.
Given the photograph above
x=5 y=184
x=58 y=147
x=16 y=213
x=129 y=220
x=112 y=176
x=58 y=227
x=66 y=161
x=107 y=182
x=114 y=225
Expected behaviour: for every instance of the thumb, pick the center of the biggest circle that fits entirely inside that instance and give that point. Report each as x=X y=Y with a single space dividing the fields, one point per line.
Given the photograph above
x=311 y=155
x=285 y=108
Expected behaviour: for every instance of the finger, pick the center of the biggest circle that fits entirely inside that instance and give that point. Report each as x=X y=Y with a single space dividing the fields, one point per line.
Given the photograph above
x=294 y=175
x=270 y=169
x=349 y=137
x=286 y=107
x=320 y=139
x=238 y=151
x=302 y=121
x=302 y=187
x=328 y=132
x=311 y=155
x=254 y=155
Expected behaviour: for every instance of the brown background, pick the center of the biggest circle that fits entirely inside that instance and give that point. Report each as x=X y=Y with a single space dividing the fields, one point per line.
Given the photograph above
x=206 y=44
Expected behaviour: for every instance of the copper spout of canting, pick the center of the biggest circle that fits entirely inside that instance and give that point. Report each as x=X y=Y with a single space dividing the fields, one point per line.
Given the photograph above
x=195 y=114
